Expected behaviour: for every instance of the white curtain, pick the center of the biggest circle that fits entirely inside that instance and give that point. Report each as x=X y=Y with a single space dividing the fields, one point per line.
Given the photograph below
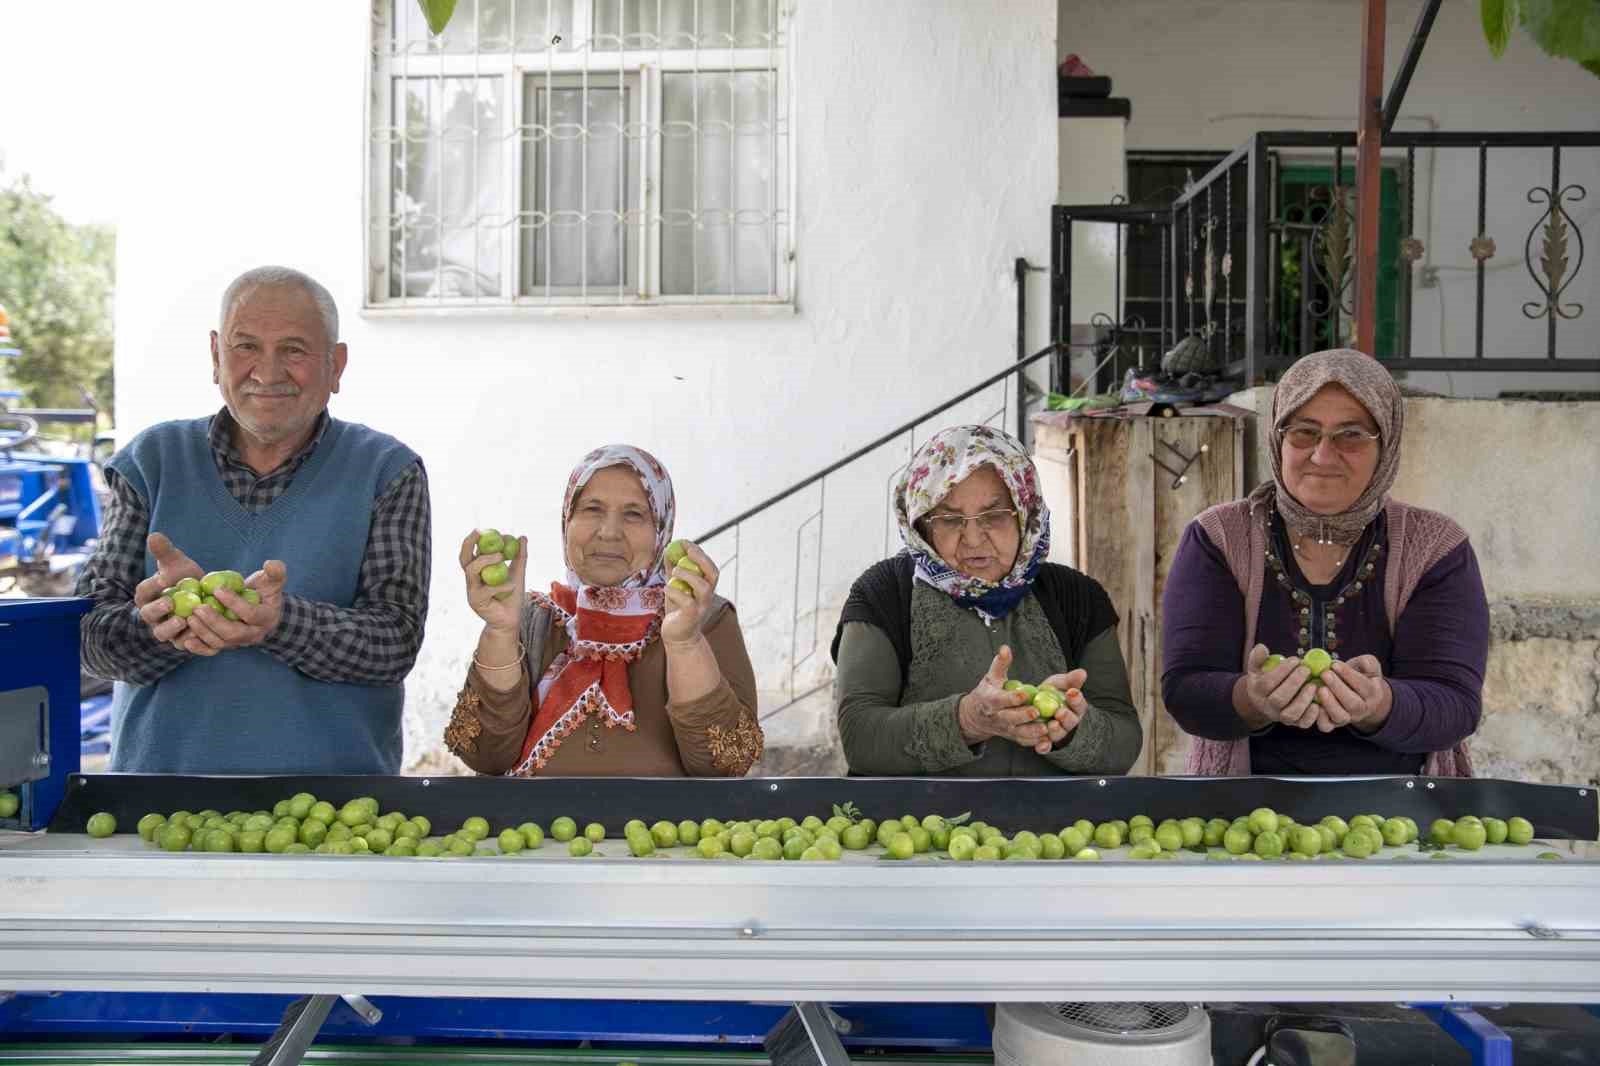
x=447 y=196
x=485 y=26
x=576 y=188
x=717 y=184
x=671 y=24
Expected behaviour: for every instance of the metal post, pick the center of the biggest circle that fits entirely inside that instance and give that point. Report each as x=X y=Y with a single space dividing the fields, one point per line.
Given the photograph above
x=1408 y=64
x=1061 y=300
x=1255 y=290
x=1227 y=272
x=1021 y=271
x=1555 y=205
x=1369 y=164
x=1484 y=1041
x=824 y=1039
x=1411 y=232
x=288 y=1045
x=1167 y=282
x=1307 y=278
x=1483 y=223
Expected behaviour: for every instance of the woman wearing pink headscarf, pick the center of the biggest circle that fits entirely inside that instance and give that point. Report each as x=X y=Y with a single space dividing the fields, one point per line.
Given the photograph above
x=928 y=639
x=613 y=671
x=1322 y=557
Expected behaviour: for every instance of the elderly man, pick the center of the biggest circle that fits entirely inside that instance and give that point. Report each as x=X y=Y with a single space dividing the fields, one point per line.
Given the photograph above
x=331 y=521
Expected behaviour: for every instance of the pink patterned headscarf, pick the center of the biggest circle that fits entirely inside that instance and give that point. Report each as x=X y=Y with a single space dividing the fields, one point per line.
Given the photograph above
x=947 y=459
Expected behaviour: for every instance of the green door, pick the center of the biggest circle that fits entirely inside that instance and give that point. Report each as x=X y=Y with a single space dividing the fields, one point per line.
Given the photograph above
x=1297 y=186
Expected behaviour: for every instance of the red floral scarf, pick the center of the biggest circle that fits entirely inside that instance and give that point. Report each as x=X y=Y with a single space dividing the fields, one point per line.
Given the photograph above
x=608 y=626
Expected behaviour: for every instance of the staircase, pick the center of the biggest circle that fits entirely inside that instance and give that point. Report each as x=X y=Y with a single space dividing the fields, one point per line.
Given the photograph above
x=788 y=563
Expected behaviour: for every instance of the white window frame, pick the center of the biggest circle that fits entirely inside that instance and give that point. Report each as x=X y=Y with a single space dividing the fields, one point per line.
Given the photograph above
x=641 y=71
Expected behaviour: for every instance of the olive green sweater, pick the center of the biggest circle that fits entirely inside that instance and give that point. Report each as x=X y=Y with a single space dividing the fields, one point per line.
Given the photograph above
x=915 y=732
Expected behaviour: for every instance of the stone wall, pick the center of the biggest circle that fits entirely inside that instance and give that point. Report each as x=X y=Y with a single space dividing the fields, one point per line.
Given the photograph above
x=1541 y=694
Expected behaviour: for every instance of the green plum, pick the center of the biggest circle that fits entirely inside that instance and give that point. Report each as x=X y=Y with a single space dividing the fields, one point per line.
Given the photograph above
x=222 y=579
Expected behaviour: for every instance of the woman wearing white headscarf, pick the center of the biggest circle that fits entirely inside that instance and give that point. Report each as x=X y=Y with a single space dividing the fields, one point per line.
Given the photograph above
x=928 y=638
x=613 y=671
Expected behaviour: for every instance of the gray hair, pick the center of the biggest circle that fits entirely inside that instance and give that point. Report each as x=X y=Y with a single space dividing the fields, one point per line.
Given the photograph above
x=242 y=285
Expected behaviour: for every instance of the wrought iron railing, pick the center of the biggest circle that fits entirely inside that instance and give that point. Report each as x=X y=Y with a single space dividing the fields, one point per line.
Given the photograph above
x=1136 y=330
x=1258 y=268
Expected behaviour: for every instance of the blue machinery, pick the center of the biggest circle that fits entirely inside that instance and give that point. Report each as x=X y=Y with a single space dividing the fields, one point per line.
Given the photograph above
x=39 y=715
x=49 y=513
x=38 y=751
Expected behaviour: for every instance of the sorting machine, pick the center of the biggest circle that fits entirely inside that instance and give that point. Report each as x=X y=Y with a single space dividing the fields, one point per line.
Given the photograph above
x=546 y=957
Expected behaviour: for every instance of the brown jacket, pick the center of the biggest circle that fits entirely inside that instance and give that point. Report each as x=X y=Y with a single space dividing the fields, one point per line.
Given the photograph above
x=716 y=735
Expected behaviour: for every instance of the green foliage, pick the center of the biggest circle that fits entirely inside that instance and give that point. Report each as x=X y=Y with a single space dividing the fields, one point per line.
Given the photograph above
x=437 y=13
x=1499 y=16
x=1566 y=29
x=56 y=281
x=1569 y=29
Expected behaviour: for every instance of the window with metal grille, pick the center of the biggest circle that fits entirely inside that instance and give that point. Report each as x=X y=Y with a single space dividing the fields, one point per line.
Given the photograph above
x=579 y=152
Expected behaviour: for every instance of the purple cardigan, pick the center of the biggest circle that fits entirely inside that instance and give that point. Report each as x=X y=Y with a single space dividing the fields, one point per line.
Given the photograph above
x=1434 y=661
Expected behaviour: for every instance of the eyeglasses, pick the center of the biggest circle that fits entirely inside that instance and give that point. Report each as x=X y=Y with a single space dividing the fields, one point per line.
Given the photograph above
x=953 y=525
x=1346 y=439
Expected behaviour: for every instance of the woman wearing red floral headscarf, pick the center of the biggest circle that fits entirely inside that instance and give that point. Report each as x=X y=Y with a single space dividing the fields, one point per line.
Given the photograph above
x=635 y=677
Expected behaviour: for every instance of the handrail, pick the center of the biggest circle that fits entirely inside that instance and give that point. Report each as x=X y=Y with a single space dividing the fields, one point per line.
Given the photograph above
x=1016 y=367
x=1436 y=138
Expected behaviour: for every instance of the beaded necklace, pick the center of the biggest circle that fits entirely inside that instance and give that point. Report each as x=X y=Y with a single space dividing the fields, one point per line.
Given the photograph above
x=1304 y=602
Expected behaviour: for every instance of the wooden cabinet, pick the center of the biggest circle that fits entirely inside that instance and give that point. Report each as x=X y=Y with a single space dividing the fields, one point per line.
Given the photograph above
x=1122 y=489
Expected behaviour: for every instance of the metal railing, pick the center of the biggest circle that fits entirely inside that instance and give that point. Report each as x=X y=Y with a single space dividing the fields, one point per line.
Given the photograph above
x=819 y=556
x=1259 y=267
x=783 y=627
x=1126 y=333
x=1017 y=397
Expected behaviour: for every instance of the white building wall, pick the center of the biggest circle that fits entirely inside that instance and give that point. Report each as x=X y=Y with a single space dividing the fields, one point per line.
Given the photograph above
x=1205 y=74
x=925 y=136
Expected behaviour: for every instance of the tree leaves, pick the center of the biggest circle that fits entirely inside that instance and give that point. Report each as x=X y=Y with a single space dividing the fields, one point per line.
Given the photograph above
x=1568 y=29
x=437 y=13
x=1499 y=16
x=56 y=282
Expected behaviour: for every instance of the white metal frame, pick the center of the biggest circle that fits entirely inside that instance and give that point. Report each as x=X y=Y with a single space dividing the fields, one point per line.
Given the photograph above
x=1519 y=931
x=582 y=65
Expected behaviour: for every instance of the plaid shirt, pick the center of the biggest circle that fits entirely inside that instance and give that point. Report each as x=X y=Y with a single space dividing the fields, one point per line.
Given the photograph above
x=372 y=642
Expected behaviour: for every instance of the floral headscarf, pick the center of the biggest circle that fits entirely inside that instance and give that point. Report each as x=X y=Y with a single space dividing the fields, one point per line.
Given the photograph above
x=938 y=467
x=1374 y=389
x=608 y=626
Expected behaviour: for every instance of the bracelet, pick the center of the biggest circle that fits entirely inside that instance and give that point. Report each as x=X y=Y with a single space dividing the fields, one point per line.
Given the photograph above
x=517 y=664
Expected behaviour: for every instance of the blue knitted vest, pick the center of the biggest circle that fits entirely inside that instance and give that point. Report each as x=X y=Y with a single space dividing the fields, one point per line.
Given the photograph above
x=244 y=711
